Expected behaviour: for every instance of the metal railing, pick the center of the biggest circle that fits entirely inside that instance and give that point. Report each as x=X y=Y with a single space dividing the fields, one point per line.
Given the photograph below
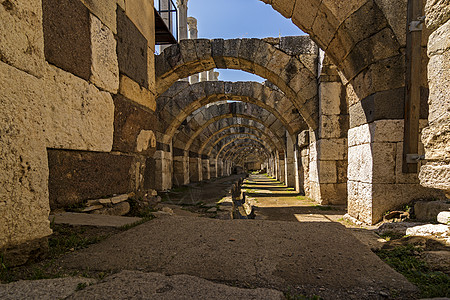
x=169 y=13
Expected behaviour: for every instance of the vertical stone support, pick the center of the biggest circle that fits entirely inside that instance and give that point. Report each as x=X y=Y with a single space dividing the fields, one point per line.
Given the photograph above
x=298 y=169
x=181 y=169
x=436 y=136
x=205 y=169
x=163 y=170
x=182 y=19
x=291 y=169
x=328 y=144
x=281 y=174
x=213 y=168
x=195 y=169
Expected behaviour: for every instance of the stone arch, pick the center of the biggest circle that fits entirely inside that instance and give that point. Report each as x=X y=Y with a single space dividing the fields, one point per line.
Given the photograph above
x=240 y=154
x=208 y=142
x=294 y=72
x=354 y=33
x=233 y=135
x=246 y=139
x=182 y=100
x=237 y=147
x=209 y=115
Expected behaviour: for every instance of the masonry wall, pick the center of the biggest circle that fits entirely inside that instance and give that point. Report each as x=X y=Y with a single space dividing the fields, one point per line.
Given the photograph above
x=436 y=136
x=77 y=85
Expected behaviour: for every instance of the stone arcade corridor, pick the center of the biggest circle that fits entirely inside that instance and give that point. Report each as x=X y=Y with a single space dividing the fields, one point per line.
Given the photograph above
x=109 y=109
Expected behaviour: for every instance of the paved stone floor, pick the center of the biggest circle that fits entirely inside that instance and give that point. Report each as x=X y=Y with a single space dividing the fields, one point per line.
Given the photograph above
x=294 y=247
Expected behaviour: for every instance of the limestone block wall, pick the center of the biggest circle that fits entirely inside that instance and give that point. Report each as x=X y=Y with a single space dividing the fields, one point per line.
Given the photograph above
x=436 y=136
x=67 y=82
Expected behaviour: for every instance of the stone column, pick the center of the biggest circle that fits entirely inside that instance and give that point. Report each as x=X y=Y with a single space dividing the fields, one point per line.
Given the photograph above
x=193 y=34
x=182 y=19
x=436 y=136
x=205 y=169
x=163 y=170
x=219 y=168
x=281 y=177
x=213 y=168
x=290 y=162
x=181 y=169
x=195 y=169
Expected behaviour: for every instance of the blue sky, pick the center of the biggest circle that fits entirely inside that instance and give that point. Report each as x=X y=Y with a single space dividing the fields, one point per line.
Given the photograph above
x=239 y=19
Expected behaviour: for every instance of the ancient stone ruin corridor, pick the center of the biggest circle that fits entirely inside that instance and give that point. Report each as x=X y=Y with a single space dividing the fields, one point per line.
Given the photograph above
x=258 y=149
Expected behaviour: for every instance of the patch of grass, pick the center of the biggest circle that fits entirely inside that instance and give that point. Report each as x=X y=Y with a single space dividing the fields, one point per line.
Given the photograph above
x=323 y=207
x=290 y=296
x=404 y=260
x=391 y=236
x=81 y=286
x=68 y=240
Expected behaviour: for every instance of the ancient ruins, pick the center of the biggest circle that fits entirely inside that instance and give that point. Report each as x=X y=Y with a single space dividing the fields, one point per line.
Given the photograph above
x=355 y=113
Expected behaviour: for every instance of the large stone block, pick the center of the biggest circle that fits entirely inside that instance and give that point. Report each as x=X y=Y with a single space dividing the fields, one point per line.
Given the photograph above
x=130 y=121
x=76 y=114
x=437 y=12
x=133 y=91
x=75 y=176
x=132 y=48
x=360 y=201
x=435 y=175
x=439 y=40
x=438 y=74
x=141 y=12
x=21 y=41
x=67 y=36
x=332 y=149
x=395 y=13
x=105 y=10
x=360 y=163
x=330 y=98
x=105 y=68
x=24 y=207
x=436 y=140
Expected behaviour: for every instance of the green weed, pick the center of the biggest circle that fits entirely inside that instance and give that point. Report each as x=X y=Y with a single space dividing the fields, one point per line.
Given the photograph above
x=430 y=283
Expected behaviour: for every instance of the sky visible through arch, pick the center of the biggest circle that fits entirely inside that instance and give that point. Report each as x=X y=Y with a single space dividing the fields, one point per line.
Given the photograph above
x=229 y=19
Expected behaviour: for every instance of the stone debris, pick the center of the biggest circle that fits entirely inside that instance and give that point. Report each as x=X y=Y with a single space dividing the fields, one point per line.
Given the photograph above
x=92 y=208
x=428 y=210
x=119 y=209
x=81 y=219
x=440 y=231
x=120 y=198
x=212 y=210
x=444 y=217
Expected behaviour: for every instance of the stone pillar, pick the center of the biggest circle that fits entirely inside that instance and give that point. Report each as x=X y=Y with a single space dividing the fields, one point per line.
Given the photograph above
x=298 y=170
x=328 y=144
x=181 y=169
x=182 y=19
x=163 y=170
x=291 y=169
x=195 y=169
x=281 y=168
x=220 y=168
x=213 y=168
x=193 y=34
x=205 y=169
x=436 y=136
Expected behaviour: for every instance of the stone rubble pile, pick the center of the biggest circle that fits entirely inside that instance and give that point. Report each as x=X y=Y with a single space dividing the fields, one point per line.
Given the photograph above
x=119 y=205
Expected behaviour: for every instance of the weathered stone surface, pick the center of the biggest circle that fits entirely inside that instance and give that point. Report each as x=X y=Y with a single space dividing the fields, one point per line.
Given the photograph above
x=119 y=209
x=395 y=13
x=76 y=114
x=119 y=198
x=439 y=100
x=92 y=208
x=133 y=91
x=437 y=12
x=439 y=40
x=330 y=98
x=440 y=230
x=435 y=175
x=77 y=175
x=141 y=13
x=133 y=125
x=438 y=260
x=428 y=210
x=59 y=288
x=21 y=41
x=132 y=49
x=105 y=10
x=105 y=68
x=444 y=217
x=24 y=204
x=67 y=36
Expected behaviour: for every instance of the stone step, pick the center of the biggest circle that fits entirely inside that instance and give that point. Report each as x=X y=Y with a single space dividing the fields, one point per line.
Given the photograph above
x=92 y=219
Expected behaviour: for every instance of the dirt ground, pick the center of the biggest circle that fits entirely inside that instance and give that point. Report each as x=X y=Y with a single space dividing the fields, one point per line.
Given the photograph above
x=294 y=246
